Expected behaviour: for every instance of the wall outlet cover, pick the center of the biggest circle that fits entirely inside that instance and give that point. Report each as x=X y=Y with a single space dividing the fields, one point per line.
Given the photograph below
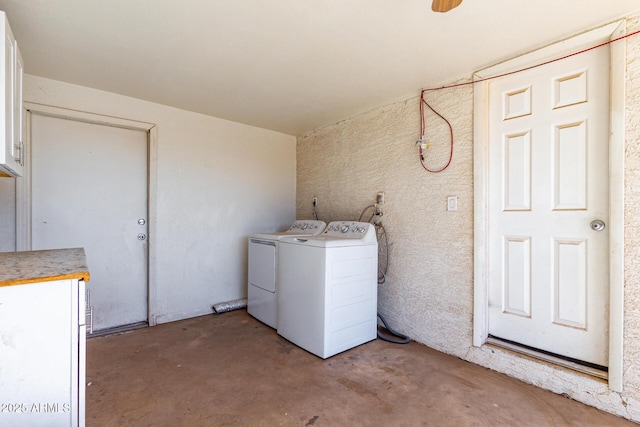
x=452 y=203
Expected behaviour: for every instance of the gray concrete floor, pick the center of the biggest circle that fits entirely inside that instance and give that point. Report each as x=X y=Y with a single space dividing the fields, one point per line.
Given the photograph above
x=231 y=370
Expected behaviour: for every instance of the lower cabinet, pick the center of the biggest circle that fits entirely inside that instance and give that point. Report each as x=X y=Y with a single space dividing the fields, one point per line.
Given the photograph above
x=42 y=354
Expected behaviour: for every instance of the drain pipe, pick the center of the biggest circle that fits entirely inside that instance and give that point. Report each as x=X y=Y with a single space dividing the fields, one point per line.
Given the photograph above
x=401 y=339
x=223 y=307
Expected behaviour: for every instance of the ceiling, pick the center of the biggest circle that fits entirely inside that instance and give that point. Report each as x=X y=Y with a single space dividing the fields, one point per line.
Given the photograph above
x=286 y=65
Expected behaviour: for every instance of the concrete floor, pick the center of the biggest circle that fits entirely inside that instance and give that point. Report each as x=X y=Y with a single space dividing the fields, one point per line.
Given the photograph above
x=231 y=370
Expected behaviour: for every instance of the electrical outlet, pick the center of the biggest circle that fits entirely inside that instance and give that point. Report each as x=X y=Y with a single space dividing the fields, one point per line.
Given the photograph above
x=380 y=198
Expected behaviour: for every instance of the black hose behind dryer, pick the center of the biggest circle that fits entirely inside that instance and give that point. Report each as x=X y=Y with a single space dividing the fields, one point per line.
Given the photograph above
x=403 y=339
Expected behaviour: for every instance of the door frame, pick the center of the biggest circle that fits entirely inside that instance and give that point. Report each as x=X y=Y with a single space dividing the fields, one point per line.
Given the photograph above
x=23 y=187
x=616 y=183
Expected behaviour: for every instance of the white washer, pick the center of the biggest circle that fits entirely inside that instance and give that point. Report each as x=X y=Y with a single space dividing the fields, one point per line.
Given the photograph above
x=327 y=295
x=263 y=269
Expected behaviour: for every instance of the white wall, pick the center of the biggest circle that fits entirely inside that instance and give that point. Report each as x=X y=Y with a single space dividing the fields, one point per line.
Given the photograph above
x=429 y=290
x=217 y=182
x=7 y=214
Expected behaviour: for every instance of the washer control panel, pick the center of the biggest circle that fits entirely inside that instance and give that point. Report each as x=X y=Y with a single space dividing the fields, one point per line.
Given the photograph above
x=348 y=229
x=311 y=227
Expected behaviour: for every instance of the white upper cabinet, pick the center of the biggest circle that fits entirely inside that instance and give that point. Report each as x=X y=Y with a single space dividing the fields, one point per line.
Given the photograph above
x=11 y=73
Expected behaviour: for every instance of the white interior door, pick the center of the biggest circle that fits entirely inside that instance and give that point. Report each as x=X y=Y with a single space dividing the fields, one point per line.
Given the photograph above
x=89 y=189
x=548 y=180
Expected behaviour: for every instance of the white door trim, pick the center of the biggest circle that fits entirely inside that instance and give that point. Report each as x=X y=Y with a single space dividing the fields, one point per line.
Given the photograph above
x=616 y=184
x=23 y=188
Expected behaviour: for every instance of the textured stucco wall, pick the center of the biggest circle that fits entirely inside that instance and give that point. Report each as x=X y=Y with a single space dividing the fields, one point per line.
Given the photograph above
x=429 y=290
x=632 y=221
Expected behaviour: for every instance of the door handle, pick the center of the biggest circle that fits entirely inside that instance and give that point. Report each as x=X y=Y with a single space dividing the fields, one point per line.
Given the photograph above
x=597 y=225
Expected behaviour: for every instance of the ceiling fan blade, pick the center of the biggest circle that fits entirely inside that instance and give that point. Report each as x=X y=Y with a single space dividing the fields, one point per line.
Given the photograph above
x=444 y=5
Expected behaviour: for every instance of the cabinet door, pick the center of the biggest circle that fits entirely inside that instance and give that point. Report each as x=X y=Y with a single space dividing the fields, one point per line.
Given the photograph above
x=11 y=152
x=18 y=144
x=9 y=84
x=39 y=327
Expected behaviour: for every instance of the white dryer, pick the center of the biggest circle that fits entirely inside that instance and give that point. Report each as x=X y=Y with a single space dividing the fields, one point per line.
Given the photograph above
x=263 y=269
x=327 y=295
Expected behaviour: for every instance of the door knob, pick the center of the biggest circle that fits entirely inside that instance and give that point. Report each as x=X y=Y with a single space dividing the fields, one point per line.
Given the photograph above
x=142 y=236
x=597 y=225
x=142 y=221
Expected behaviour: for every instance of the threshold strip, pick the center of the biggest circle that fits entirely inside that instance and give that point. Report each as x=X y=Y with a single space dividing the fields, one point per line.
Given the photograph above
x=567 y=362
x=117 y=329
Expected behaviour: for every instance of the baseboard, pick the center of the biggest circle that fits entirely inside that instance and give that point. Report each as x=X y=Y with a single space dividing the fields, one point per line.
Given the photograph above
x=172 y=317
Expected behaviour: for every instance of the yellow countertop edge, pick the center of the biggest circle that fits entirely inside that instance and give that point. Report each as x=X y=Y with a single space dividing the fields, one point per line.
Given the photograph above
x=81 y=276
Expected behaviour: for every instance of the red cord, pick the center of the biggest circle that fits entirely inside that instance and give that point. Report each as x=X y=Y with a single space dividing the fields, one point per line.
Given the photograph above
x=423 y=126
x=533 y=66
x=423 y=102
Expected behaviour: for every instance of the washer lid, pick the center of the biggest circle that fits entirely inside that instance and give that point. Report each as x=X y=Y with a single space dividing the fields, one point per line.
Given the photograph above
x=298 y=228
x=339 y=233
x=326 y=241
